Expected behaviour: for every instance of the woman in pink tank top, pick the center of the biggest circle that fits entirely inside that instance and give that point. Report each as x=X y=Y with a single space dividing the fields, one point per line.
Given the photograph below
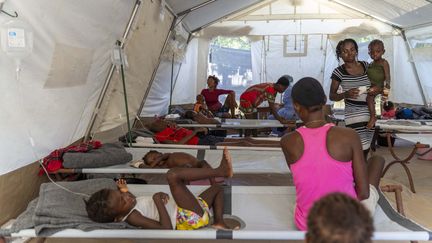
x=323 y=158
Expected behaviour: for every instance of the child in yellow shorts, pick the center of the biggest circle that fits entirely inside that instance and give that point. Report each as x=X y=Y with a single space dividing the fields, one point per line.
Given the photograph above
x=185 y=212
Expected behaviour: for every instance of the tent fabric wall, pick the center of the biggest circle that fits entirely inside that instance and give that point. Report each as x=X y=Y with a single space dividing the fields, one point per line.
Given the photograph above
x=143 y=49
x=33 y=117
x=191 y=76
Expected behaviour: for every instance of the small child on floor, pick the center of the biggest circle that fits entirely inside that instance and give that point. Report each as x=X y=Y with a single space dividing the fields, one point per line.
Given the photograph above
x=338 y=218
x=389 y=110
x=185 y=212
x=379 y=75
x=201 y=107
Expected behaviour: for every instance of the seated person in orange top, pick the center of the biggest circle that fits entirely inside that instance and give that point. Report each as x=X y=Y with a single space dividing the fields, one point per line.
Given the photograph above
x=169 y=133
x=201 y=107
x=258 y=93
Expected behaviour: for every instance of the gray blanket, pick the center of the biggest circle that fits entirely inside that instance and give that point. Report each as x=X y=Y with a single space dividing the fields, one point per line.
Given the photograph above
x=57 y=209
x=108 y=154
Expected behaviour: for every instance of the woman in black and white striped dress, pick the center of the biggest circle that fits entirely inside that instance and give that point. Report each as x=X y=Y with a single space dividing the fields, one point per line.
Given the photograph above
x=352 y=76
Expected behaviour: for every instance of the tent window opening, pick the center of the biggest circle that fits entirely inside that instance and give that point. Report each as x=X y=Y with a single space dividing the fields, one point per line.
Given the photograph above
x=295 y=45
x=230 y=61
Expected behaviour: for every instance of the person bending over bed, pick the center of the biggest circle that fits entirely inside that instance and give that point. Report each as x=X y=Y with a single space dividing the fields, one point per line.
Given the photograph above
x=324 y=158
x=183 y=212
x=169 y=133
x=338 y=218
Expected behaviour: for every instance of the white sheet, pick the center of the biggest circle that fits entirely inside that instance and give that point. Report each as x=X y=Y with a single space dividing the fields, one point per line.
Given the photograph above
x=421 y=138
x=244 y=162
x=405 y=125
x=240 y=123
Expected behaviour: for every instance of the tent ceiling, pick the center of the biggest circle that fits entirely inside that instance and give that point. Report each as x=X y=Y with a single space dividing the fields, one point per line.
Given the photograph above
x=210 y=11
x=402 y=13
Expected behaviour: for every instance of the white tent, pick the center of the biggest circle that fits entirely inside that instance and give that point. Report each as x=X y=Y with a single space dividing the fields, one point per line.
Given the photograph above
x=68 y=88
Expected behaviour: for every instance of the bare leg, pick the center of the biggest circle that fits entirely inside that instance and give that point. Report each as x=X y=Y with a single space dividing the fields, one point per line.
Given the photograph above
x=231 y=103
x=204 y=164
x=178 y=177
x=214 y=196
x=251 y=132
x=371 y=106
x=375 y=167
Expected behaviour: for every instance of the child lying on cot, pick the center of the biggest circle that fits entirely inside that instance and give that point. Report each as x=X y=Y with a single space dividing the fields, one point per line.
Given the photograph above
x=324 y=158
x=156 y=159
x=339 y=218
x=169 y=133
x=183 y=212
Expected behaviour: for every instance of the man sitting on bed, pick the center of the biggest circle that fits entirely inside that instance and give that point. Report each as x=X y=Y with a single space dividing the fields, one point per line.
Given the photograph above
x=168 y=133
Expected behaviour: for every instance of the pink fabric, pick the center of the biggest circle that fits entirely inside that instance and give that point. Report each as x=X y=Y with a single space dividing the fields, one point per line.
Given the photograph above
x=317 y=174
x=391 y=114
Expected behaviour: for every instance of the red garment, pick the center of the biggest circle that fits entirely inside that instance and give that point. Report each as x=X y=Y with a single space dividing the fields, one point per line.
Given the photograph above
x=257 y=94
x=212 y=98
x=54 y=161
x=391 y=114
x=176 y=135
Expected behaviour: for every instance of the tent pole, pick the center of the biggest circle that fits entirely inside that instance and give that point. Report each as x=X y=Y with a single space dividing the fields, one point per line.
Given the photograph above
x=157 y=66
x=125 y=96
x=408 y=46
x=172 y=81
x=110 y=73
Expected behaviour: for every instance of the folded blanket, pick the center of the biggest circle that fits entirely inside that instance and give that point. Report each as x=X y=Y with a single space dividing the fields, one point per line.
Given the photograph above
x=108 y=154
x=57 y=209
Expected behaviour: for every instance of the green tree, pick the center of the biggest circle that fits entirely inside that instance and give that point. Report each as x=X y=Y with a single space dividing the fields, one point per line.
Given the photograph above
x=232 y=42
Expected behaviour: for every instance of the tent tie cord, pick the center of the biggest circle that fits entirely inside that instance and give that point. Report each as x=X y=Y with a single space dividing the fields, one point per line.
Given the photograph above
x=2 y=11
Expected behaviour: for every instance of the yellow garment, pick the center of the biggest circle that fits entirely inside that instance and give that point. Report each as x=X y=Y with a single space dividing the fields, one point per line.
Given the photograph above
x=189 y=220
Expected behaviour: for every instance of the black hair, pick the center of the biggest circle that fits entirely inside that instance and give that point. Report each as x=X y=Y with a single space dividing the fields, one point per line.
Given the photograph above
x=388 y=105
x=308 y=92
x=98 y=207
x=189 y=115
x=285 y=80
x=338 y=218
x=216 y=79
x=376 y=42
x=342 y=43
x=145 y=158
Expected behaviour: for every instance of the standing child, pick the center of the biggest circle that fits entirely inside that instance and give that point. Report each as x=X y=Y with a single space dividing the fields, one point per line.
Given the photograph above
x=379 y=75
x=187 y=212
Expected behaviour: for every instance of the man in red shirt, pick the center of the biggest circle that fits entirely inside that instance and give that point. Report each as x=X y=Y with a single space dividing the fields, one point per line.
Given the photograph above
x=258 y=93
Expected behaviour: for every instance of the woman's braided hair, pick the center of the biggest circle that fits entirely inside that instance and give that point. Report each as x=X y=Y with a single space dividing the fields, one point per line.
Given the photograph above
x=341 y=44
x=338 y=218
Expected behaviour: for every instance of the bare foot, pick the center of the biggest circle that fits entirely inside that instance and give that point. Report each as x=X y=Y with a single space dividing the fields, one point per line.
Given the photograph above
x=226 y=163
x=122 y=186
x=220 y=226
x=371 y=123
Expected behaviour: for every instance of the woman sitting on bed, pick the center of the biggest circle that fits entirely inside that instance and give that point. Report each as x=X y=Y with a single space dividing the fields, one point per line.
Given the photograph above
x=324 y=158
x=183 y=212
